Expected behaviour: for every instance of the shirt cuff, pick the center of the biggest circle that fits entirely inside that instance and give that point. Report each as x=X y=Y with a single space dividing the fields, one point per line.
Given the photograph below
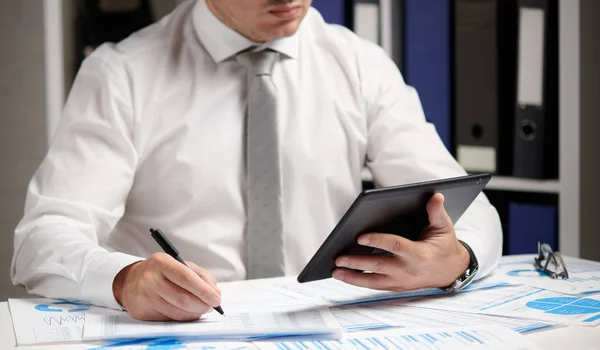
x=99 y=275
x=478 y=246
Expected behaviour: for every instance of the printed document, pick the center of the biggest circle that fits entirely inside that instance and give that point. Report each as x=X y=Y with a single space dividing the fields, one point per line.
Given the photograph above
x=259 y=296
x=380 y=315
x=584 y=275
x=332 y=292
x=39 y=321
x=481 y=337
x=234 y=326
x=354 y=318
x=521 y=302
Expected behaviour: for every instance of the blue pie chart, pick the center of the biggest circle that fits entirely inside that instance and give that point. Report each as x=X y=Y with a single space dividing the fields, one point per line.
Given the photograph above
x=62 y=306
x=526 y=273
x=567 y=306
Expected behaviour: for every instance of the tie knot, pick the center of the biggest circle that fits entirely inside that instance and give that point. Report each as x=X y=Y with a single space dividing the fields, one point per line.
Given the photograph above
x=258 y=63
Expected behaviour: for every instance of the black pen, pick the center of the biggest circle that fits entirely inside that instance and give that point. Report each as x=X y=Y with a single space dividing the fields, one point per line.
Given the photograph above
x=170 y=249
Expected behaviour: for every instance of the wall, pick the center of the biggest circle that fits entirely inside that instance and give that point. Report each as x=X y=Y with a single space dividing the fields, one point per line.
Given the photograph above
x=22 y=117
x=590 y=126
x=23 y=107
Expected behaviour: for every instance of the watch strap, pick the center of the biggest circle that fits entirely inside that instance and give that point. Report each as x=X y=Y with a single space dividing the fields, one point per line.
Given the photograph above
x=466 y=277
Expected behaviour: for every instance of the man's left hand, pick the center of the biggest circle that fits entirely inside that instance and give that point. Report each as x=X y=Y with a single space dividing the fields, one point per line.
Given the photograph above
x=434 y=261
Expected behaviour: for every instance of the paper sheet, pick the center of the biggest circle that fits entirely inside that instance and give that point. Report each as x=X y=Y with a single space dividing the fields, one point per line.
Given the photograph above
x=259 y=296
x=488 y=337
x=584 y=275
x=39 y=321
x=333 y=292
x=522 y=302
x=234 y=327
x=354 y=318
x=387 y=314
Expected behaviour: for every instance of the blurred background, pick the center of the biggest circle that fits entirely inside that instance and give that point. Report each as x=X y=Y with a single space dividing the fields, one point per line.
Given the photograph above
x=512 y=86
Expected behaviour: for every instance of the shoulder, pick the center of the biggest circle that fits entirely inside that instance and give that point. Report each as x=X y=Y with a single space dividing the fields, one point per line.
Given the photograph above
x=337 y=40
x=346 y=56
x=156 y=43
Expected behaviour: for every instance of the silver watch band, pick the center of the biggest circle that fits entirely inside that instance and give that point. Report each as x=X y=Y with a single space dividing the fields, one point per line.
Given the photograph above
x=467 y=277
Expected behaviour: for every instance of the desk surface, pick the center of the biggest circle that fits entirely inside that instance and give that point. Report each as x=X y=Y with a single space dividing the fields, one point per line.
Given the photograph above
x=571 y=338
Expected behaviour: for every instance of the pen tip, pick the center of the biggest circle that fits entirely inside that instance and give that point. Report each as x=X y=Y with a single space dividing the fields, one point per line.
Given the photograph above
x=220 y=310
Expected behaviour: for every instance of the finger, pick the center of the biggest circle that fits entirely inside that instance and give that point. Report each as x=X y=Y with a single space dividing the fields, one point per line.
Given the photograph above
x=383 y=265
x=366 y=280
x=205 y=275
x=187 y=279
x=181 y=298
x=172 y=312
x=388 y=242
x=438 y=217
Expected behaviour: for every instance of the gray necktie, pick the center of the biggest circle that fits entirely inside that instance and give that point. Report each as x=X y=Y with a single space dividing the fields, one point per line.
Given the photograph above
x=264 y=231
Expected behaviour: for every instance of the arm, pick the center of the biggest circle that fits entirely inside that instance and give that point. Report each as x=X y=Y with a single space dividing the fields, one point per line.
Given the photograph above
x=76 y=198
x=403 y=148
x=78 y=194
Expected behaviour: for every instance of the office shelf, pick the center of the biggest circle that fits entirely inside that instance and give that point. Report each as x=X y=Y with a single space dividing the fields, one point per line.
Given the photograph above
x=523 y=185
x=504 y=183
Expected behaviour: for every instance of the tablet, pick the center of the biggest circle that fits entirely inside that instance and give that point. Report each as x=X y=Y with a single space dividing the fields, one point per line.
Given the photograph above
x=399 y=210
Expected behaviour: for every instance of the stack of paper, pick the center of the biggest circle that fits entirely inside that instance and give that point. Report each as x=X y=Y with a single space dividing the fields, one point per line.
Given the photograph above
x=42 y=321
x=318 y=322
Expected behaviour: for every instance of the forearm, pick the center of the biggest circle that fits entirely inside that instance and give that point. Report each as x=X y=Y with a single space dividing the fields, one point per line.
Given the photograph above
x=58 y=261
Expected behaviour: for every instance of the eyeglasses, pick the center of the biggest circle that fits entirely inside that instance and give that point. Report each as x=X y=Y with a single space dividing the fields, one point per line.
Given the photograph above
x=550 y=262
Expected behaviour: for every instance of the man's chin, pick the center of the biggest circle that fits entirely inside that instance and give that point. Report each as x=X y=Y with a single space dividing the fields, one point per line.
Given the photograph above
x=283 y=30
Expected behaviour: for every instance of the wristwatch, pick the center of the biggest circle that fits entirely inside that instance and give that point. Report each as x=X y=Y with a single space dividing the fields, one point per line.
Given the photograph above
x=466 y=277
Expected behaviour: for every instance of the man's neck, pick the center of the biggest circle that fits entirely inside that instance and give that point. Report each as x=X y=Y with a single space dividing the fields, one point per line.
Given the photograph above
x=228 y=22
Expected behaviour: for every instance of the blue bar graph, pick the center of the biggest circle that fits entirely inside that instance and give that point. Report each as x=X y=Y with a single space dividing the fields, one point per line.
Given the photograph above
x=395 y=339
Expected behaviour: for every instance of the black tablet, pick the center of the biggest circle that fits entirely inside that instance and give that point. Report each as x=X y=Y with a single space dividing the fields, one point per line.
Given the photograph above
x=399 y=210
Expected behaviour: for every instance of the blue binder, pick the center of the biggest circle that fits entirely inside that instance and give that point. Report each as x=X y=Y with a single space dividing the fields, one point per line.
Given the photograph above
x=333 y=11
x=427 y=59
x=530 y=223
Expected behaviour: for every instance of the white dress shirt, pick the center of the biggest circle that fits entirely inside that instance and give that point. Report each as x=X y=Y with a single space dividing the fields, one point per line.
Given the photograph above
x=152 y=135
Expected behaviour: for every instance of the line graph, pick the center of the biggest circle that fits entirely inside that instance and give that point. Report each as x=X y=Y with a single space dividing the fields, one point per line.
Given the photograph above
x=62 y=320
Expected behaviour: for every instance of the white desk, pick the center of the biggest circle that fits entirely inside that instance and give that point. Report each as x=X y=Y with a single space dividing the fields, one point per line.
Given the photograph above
x=571 y=338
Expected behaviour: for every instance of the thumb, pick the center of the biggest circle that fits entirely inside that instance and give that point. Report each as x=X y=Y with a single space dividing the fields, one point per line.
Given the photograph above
x=438 y=217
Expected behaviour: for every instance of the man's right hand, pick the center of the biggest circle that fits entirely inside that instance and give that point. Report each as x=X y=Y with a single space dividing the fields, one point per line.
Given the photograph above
x=161 y=288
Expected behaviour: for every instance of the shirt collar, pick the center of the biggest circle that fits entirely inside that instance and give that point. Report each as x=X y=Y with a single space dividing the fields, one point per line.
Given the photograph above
x=222 y=42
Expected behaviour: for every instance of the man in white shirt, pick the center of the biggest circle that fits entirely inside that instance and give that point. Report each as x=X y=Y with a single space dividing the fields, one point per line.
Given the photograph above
x=153 y=135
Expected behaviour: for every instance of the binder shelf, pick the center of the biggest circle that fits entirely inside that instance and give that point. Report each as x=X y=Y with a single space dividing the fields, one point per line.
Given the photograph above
x=523 y=185
x=504 y=183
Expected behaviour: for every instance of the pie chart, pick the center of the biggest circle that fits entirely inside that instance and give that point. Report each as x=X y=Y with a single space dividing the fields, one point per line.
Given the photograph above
x=527 y=273
x=567 y=306
x=63 y=306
